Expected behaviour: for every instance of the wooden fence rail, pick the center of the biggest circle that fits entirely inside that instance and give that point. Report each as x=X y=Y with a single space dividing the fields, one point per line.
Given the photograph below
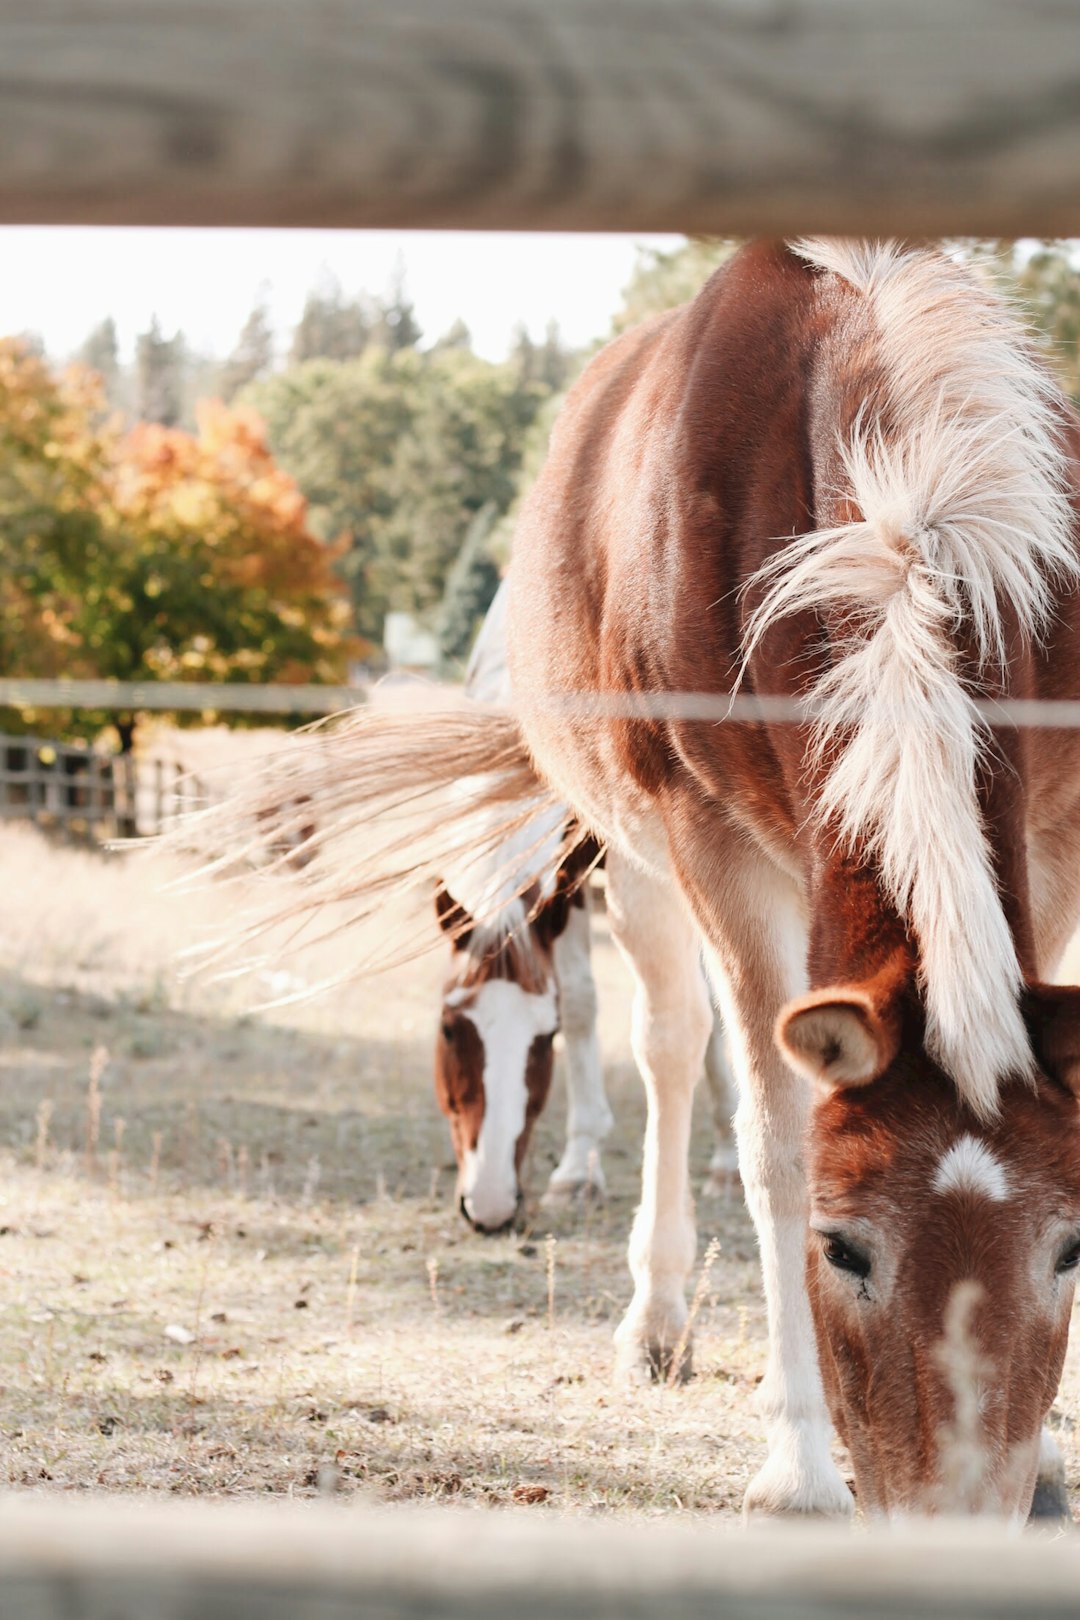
x=725 y=116
x=91 y=795
x=123 y=1559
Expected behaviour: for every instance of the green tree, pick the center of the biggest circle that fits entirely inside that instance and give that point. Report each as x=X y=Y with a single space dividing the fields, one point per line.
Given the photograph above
x=397 y=327
x=159 y=376
x=1048 y=283
x=153 y=553
x=101 y=353
x=470 y=588
x=336 y=427
x=253 y=356
x=663 y=278
x=462 y=451
x=333 y=327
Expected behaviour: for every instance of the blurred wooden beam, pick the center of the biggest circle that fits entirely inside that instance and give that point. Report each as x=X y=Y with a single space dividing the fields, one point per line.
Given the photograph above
x=126 y=1559
x=712 y=116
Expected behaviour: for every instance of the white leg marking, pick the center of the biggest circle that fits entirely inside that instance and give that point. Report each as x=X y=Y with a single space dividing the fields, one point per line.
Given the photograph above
x=588 y=1117
x=754 y=920
x=723 y=1099
x=671 y=1024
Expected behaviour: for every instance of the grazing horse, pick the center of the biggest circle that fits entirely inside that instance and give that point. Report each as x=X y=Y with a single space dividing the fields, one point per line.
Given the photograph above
x=516 y=978
x=839 y=493
x=840 y=479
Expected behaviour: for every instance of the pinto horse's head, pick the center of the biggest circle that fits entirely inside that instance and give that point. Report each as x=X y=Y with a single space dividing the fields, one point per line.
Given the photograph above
x=938 y=1390
x=493 y=1054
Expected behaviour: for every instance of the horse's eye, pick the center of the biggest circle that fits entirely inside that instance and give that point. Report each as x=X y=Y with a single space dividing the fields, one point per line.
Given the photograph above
x=844 y=1256
x=1069 y=1258
x=446 y=1029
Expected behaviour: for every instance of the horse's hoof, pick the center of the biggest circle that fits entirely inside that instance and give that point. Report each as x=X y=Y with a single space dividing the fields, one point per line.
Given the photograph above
x=782 y=1490
x=653 y=1358
x=722 y=1183
x=567 y=1194
x=1050 y=1504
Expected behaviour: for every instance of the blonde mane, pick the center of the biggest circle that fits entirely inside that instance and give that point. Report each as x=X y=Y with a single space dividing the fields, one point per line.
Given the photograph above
x=959 y=473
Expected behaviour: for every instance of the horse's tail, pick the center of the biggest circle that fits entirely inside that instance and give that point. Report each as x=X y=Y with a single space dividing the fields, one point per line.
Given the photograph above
x=368 y=808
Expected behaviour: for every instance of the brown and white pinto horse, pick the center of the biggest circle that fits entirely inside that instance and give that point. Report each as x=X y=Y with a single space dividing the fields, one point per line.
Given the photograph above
x=838 y=475
x=514 y=980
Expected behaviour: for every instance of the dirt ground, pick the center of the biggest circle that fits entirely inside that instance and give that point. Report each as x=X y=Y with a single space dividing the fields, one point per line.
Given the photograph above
x=231 y=1264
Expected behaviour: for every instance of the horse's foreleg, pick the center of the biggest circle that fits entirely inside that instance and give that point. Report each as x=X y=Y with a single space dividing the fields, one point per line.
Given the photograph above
x=723 y=1096
x=588 y=1117
x=750 y=913
x=671 y=1023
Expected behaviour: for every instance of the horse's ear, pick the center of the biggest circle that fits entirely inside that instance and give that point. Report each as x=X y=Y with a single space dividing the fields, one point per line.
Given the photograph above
x=842 y=1036
x=453 y=919
x=551 y=920
x=1052 y=1015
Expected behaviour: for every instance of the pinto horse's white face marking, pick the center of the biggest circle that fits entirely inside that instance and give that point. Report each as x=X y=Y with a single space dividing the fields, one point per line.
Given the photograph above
x=508 y=1020
x=493 y=1055
x=969 y=1166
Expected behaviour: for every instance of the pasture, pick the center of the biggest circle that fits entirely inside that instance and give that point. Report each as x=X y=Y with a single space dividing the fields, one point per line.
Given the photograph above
x=232 y=1266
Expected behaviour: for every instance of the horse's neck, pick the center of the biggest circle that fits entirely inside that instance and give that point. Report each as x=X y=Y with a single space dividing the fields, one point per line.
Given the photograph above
x=486 y=678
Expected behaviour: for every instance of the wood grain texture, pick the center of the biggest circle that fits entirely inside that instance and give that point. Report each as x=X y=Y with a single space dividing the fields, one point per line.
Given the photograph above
x=125 y=1559
x=712 y=116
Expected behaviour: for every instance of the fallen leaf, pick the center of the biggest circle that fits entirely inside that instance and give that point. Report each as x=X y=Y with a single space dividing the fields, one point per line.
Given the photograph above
x=530 y=1493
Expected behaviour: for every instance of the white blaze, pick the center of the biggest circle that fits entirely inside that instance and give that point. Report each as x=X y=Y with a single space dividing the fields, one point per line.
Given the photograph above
x=507 y=1019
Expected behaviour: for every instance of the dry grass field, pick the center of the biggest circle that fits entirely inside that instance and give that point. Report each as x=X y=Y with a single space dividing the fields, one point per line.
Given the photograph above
x=231 y=1265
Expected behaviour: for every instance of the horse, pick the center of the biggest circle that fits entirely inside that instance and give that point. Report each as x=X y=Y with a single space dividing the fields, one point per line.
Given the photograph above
x=839 y=489
x=514 y=980
x=801 y=554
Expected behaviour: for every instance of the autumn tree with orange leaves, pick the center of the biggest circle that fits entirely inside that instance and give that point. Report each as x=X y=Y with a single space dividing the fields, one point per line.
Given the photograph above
x=154 y=554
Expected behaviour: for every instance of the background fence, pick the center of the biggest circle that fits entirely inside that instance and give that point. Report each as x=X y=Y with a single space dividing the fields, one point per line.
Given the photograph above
x=90 y=795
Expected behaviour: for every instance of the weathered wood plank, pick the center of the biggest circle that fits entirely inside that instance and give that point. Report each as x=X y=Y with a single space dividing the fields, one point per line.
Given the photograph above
x=64 y=1559
x=726 y=116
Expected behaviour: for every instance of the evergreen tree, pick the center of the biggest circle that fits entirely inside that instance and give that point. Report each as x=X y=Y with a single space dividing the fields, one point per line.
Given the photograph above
x=101 y=352
x=397 y=326
x=332 y=326
x=456 y=336
x=470 y=588
x=159 y=376
x=253 y=356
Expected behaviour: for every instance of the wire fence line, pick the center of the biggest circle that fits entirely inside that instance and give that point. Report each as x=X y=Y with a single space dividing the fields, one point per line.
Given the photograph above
x=189 y=696
x=739 y=707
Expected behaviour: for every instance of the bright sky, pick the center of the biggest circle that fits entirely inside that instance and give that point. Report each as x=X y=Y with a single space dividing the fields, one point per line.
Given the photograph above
x=61 y=281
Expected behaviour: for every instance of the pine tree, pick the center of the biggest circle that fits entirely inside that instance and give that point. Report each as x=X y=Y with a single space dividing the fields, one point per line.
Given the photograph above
x=253 y=356
x=332 y=326
x=398 y=327
x=159 y=376
x=101 y=352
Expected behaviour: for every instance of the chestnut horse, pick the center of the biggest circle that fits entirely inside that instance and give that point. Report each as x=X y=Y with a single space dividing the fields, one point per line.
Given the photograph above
x=838 y=477
x=837 y=489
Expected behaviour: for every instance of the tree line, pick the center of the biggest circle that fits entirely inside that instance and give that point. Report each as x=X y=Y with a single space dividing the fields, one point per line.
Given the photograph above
x=255 y=518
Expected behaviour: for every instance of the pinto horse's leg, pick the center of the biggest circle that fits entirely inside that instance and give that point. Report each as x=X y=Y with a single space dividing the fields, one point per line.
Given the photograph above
x=752 y=918
x=588 y=1117
x=671 y=1023
x=723 y=1097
